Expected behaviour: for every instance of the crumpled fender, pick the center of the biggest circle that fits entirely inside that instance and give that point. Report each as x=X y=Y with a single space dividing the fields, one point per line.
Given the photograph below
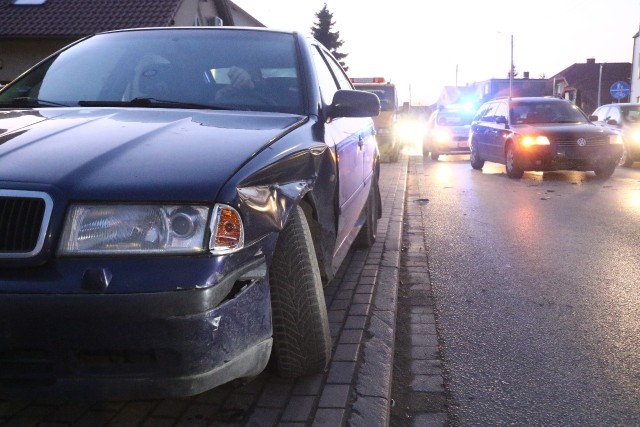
x=281 y=177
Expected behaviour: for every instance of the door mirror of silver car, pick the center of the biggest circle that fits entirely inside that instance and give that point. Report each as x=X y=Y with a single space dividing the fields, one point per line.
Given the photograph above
x=354 y=103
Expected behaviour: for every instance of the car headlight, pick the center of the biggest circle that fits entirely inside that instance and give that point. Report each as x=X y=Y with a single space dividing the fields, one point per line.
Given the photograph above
x=635 y=136
x=615 y=139
x=134 y=229
x=529 y=140
x=443 y=135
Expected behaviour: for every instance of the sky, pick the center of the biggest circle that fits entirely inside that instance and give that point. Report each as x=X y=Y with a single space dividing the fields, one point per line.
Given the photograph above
x=424 y=45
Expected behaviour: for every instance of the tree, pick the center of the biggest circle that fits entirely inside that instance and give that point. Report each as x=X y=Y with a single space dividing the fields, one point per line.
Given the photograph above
x=321 y=30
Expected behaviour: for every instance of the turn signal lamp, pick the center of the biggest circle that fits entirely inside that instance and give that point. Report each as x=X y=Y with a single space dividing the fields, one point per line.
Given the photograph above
x=529 y=140
x=615 y=139
x=227 y=231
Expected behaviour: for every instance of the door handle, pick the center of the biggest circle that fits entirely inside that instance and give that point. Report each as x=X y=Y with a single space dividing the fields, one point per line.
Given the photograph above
x=360 y=141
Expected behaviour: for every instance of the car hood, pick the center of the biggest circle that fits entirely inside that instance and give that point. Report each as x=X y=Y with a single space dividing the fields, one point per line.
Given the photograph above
x=132 y=154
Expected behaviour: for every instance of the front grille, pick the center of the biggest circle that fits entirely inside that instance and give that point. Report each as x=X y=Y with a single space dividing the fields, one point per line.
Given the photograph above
x=24 y=217
x=591 y=140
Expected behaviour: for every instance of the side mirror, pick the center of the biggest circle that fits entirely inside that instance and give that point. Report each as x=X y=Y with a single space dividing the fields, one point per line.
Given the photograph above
x=354 y=103
x=612 y=122
x=593 y=118
x=501 y=120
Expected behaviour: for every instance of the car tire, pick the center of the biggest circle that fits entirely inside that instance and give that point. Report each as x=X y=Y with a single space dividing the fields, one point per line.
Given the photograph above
x=605 y=170
x=625 y=160
x=367 y=235
x=511 y=163
x=435 y=156
x=301 y=339
x=476 y=162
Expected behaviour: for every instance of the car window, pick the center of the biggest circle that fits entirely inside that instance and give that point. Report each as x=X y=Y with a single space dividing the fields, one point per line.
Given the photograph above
x=631 y=113
x=502 y=110
x=180 y=66
x=328 y=85
x=341 y=77
x=614 y=114
x=454 y=118
x=524 y=112
x=485 y=113
x=602 y=113
x=386 y=93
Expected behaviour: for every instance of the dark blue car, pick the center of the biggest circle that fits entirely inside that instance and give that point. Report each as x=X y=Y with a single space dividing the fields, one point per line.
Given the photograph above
x=171 y=203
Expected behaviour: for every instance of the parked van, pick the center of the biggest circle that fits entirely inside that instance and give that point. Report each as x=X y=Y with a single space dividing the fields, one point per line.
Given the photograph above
x=385 y=122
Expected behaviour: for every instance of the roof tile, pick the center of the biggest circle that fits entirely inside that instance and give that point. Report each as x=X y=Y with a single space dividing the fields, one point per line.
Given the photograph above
x=74 y=18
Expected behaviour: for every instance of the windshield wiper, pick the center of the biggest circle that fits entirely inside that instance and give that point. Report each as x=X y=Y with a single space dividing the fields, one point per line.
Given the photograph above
x=29 y=102
x=150 y=103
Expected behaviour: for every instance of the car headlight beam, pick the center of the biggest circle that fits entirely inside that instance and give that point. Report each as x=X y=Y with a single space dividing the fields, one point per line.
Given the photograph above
x=133 y=229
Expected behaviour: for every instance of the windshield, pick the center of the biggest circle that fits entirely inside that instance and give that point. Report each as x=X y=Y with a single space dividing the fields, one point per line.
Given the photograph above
x=181 y=66
x=546 y=112
x=386 y=94
x=631 y=113
x=454 y=118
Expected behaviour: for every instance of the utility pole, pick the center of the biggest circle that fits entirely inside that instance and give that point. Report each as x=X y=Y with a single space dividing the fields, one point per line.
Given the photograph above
x=600 y=83
x=511 y=70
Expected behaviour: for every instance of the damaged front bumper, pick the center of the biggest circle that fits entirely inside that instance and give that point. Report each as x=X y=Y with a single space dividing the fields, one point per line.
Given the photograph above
x=135 y=345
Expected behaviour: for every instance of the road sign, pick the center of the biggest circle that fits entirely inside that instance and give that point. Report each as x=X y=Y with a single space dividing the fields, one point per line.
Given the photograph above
x=620 y=90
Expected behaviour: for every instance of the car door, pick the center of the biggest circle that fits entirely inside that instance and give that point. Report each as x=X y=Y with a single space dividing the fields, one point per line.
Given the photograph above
x=480 y=128
x=354 y=144
x=496 y=131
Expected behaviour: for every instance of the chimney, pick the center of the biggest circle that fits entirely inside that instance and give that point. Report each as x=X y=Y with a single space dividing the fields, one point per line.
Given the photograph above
x=591 y=60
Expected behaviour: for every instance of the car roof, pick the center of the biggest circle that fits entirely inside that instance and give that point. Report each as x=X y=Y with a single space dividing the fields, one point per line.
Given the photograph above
x=211 y=28
x=621 y=104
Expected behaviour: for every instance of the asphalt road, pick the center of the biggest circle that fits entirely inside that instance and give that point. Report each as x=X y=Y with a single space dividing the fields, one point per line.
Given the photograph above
x=537 y=293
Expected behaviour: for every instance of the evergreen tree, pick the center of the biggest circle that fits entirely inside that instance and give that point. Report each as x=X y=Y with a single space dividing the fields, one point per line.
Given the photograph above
x=321 y=30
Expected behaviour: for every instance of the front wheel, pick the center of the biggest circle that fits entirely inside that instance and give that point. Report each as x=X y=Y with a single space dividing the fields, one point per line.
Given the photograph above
x=435 y=156
x=511 y=162
x=625 y=160
x=605 y=170
x=301 y=339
